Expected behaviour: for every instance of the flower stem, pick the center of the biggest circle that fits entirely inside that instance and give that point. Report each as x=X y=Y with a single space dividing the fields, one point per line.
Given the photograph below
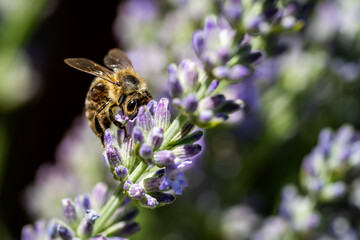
x=106 y=212
x=116 y=199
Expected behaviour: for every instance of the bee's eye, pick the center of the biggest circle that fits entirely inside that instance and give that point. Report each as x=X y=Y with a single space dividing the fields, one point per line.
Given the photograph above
x=131 y=106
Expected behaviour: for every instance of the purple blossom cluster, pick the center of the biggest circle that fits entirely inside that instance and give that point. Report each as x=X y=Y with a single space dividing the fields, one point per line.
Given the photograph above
x=328 y=207
x=79 y=217
x=326 y=169
x=225 y=53
x=226 y=58
x=266 y=17
x=142 y=142
x=185 y=81
x=328 y=176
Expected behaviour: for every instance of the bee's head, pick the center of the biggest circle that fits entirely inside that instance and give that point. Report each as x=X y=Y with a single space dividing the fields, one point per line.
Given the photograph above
x=131 y=103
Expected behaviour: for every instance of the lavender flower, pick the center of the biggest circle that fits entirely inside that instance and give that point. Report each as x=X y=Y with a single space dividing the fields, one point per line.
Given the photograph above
x=298 y=210
x=325 y=169
x=273 y=228
x=70 y=172
x=80 y=216
x=263 y=17
x=38 y=231
x=238 y=222
x=185 y=81
x=217 y=47
x=173 y=178
x=143 y=145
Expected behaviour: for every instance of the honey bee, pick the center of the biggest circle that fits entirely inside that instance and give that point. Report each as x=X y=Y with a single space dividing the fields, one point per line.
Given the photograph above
x=122 y=87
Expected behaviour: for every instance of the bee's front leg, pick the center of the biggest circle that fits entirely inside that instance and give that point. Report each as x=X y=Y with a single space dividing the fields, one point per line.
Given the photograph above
x=116 y=122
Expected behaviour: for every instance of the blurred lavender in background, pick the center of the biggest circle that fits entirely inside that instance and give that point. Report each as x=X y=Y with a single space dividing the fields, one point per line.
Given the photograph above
x=77 y=169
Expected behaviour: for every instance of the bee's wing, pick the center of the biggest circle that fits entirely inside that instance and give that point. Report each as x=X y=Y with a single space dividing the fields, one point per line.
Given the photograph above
x=91 y=67
x=117 y=59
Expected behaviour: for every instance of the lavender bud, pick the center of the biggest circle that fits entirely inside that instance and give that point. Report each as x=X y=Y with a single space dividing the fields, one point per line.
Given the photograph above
x=162 y=114
x=172 y=70
x=152 y=184
x=239 y=72
x=232 y=10
x=221 y=117
x=99 y=195
x=27 y=233
x=121 y=172
x=177 y=103
x=111 y=156
x=212 y=102
x=163 y=158
x=253 y=25
x=83 y=201
x=354 y=159
x=144 y=120
x=163 y=198
x=145 y=151
x=206 y=116
x=109 y=137
x=126 y=200
x=210 y=23
x=231 y=106
x=194 y=137
x=187 y=151
x=149 y=202
x=156 y=137
x=188 y=74
x=190 y=103
x=52 y=229
x=223 y=55
x=137 y=135
x=185 y=130
x=288 y=22
x=213 y=85
x=271 y=12
x=127 y=185
x=254 y=57
x=124 y=229
x=136 y=191
x=333 y=191
x=65 y=233
x=86 y=225
x=175 y=87
x=68 y=210
x=130 y=214
x=221 y=72
x=152 y=106
x=198 y=42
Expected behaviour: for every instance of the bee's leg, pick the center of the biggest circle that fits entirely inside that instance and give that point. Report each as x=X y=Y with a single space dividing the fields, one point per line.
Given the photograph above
x=116 y=122
x=101 y=124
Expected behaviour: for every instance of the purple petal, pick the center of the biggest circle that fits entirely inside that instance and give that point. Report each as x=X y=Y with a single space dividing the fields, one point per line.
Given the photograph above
x=190 y=103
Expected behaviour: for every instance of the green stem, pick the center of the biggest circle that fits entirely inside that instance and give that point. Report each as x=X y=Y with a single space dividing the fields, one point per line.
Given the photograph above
x=116 y=199
x=108 y=210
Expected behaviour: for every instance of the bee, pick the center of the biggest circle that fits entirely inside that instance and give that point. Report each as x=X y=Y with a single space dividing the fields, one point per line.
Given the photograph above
x=121 y=87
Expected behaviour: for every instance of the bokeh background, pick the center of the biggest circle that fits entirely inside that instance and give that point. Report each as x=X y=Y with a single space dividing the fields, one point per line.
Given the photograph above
x=308 y=81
